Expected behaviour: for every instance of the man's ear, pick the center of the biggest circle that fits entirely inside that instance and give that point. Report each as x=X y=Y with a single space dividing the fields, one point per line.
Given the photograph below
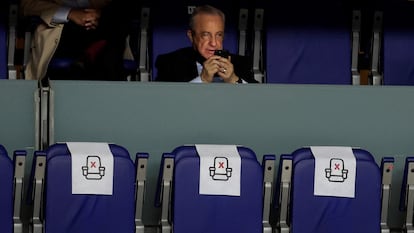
x=190 y=35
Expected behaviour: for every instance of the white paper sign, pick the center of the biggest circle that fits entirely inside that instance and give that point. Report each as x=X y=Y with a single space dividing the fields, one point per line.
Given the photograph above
x=92 y=168
x=220 y=168
x=335 y=171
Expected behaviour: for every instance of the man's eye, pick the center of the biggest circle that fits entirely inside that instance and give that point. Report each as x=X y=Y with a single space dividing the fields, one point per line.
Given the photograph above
x=205 y=34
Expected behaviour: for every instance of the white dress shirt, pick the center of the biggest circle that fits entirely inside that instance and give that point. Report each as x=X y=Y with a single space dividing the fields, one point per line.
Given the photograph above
x=62 y=13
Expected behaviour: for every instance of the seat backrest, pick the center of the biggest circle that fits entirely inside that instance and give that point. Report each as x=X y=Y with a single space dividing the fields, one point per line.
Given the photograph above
x=398 y=43
x=308 y=42
x=67 y=212
x=323 y=214
x=169 y=25
x=6 y=190
x=193 y=212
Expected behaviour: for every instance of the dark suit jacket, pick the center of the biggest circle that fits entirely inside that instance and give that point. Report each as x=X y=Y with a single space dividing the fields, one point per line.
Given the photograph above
x=180 y=66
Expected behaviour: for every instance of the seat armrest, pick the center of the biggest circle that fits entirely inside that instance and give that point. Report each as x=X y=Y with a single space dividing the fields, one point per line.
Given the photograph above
x=141 y=162
x=38 y=191
x=268 y=165
x=13 y=17
x=387 y=165
x=243 y=22
x=407 y=193
x=144 y=74
x=356 y=35
x=376 y=76
x=257 y=46
x=285 y=181
x=166 y=191
x=19 y=168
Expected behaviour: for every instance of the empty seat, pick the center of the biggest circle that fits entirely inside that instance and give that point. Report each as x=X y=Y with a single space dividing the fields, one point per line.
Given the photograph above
x=308 y=42
x=215 y=189
x=398 y=43
x=87 y=187
x=332 y=189
x=11 y=189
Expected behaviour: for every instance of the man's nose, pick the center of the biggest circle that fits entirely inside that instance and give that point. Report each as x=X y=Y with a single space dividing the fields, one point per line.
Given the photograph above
x=213 y=41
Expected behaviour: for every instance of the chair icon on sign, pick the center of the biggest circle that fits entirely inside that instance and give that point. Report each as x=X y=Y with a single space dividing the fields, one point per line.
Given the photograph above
x=93 y=169
x=220 y=171
x=336 y=172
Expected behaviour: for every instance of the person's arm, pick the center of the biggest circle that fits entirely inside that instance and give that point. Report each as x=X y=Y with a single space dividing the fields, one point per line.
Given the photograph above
x=243 y=69
x=177 y=66
x=61 y=15
x=87 y=18
x=53 y=13
x=42 y=8
x=65 y=13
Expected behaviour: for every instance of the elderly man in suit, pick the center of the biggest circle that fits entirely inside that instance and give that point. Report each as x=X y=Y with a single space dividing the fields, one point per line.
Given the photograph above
x=202 y=63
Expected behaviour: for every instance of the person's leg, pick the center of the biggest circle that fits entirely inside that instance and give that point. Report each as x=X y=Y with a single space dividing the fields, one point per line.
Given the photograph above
x=114 y=27
x=73 y=42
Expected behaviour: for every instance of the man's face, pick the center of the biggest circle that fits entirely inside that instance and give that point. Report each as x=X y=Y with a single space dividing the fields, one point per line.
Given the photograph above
x=208 y=34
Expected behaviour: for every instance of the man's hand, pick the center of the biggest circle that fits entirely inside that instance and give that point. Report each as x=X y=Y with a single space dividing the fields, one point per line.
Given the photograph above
x=87 y=18
x=220 y=66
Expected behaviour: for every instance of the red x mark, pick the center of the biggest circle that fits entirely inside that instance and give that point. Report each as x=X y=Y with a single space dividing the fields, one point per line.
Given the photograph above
x=221 y=164
x=337 y=166
x=93 y=164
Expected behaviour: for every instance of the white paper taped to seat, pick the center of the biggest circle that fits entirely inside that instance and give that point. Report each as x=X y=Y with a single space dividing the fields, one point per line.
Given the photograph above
x=220 y=168
x=335 y=171
x=92 y=168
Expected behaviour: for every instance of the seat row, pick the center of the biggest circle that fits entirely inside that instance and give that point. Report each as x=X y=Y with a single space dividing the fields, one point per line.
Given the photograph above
x=96 y=187
x=104 y=194
x=302 y=42
x=287 y=44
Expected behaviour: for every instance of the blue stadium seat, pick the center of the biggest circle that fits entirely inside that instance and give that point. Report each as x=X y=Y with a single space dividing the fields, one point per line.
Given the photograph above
x=11 y=190
x=57 y=207
x=169 y=25
x=407 y=195
x=187 y=207
x=6 y=197
x=309 y=42
x=398 y=43
x=302 y=210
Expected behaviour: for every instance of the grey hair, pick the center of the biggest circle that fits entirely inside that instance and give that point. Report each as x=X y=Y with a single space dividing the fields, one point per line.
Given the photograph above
x=205 y=9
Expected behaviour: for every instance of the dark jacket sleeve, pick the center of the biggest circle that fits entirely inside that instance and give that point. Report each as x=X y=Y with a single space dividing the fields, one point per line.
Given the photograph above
x=243 y=67
x=176 y=66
